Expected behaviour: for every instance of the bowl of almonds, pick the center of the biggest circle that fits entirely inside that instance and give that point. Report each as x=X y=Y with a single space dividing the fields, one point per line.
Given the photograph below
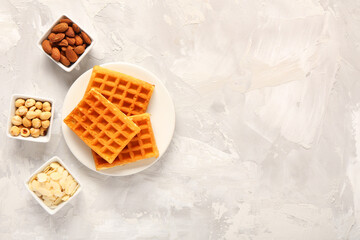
x=30 y=118
x=53 y=185
x=66 y=43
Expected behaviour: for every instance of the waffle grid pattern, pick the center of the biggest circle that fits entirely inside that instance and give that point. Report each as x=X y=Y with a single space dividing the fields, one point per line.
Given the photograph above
x=142 y=146
x=104 y=128
x=129 y=94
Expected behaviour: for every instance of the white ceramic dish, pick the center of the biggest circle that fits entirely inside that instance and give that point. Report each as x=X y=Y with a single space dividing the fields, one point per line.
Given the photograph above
x=161 y=109
x=61 y=205
x=42 y=139
x=87 y=50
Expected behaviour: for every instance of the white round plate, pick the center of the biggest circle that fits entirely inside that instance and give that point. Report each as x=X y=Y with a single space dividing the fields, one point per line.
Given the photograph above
x=161 y=109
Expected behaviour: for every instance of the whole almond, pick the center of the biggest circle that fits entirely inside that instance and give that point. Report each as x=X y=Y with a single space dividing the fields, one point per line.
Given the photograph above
x=51 y=35
x=57 y=37
x=64 y=60
x=78 y=40
x=55 y=54
x=79 y=49
x=71 y=55
x=63 y=49
x=63 y=43
x=70 y=32
x=71 y=41
x=46 y=46
x=61 y=27
x=86 y=38
x=84 y=45
x=66 y=20
x=76 y=28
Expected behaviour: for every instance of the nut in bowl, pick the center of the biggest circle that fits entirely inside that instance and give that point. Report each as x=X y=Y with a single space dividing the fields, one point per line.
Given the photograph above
x=30 y=118
x=53 y=185
x=65 y=43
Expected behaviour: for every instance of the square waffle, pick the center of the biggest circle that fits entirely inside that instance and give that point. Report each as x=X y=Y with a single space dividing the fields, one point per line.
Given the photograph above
x=129 y=94
x=102 y=126
x=142 y=146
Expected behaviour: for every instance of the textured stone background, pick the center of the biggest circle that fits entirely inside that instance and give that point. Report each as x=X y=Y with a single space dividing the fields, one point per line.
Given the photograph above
x=267 y=139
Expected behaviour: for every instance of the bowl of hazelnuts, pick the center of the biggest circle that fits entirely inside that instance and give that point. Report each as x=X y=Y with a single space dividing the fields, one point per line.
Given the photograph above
x=66 y=43
x=30 y=118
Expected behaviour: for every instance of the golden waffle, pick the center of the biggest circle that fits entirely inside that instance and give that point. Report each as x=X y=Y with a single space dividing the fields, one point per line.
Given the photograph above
x=142 y=146
x=129 y=94
x=102 y=126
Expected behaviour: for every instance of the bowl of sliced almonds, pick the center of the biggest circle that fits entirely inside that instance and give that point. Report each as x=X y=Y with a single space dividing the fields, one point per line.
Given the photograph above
x=53 y=185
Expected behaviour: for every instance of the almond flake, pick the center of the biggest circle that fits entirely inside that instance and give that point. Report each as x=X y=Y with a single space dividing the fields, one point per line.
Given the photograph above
x=42 y=177
x=65 y=198
x=55 y=176
x=54 y=165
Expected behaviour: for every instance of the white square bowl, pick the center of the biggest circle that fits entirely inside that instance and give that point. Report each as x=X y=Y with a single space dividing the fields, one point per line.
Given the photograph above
x=42 y=139
x=87 y=49
x=41 y=202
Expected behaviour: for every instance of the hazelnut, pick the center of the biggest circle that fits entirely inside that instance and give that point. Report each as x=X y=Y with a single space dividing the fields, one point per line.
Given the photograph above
x=35 y=132
x=45 y=123
x=17 y=112
x=14 y=131
x=43 y=131
x=45 y=115
x=22 y=110
x=31 y=114
x=46 y=107
x=25 y=132
x=16 y=120
x=19 y=102
x=36 y=123
x=29 y=102
x=26 y=122
x=38 y=105
x=38 y=111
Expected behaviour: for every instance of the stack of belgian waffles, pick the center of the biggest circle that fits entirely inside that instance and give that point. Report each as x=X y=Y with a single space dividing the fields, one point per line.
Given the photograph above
x=112 y=120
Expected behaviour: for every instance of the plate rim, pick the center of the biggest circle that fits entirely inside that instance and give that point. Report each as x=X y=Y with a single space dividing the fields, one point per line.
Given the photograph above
x=166 y=92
